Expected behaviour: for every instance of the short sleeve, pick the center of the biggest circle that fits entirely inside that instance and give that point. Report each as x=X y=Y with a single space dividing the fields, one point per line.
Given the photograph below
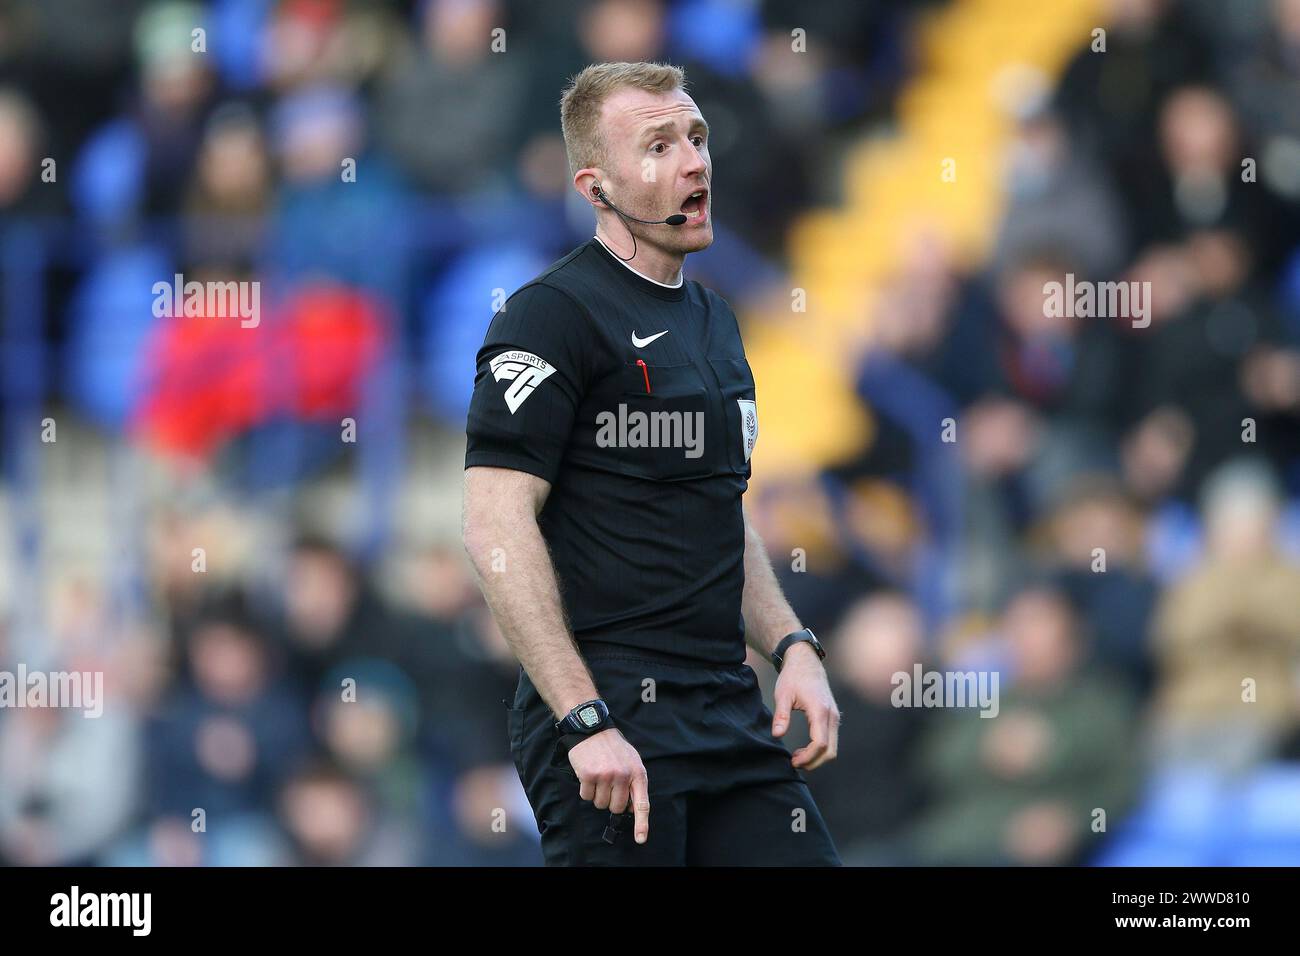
x=532 y=372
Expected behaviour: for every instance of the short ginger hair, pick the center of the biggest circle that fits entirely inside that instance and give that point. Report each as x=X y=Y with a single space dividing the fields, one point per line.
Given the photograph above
x=581 y=103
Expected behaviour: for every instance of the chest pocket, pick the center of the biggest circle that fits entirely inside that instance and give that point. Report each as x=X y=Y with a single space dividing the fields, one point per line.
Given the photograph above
x=740 y=406
x=664 y=433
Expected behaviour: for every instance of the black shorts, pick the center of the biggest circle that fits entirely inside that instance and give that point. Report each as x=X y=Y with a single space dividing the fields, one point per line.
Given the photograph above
x=722 y=789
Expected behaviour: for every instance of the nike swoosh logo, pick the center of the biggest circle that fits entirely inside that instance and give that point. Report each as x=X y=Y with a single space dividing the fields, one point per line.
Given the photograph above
x=642 y=343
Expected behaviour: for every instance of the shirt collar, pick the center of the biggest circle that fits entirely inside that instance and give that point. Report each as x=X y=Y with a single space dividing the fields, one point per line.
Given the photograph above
x=681 y=279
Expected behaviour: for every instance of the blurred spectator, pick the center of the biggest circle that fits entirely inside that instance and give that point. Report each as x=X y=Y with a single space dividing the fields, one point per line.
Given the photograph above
x=1228 y=634
x=458 y=143
x=1110 y=99
x=1023 y=787
x=1212 y=320
x=230 y=192
x=811 y=561
x=307 y=42
x=1199 y=185
x=21 y=190
x=873 y=790
x=366 y=717
x=331 y=820
x=332 y=613
x=337 y=197
x=1059 y=199
x=70 y=783
x=175 y=93
x=1095 y=539
x=1263 y=79
x=386 y=171
x=224 y=744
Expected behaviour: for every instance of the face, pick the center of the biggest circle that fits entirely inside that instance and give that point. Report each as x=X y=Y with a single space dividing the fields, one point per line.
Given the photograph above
x=657 y=165
x=228 y=664
x=319 y=597
x=1040 y=631
x=882 y=636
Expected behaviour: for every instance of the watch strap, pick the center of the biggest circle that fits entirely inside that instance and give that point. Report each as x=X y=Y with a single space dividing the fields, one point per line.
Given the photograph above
x=803 y=635
x=574 y=724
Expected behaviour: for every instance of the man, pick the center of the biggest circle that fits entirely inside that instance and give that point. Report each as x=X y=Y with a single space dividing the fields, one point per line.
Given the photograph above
x=609 y=439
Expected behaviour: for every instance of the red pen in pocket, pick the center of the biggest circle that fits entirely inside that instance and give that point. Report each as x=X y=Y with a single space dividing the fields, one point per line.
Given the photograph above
x=646 y=372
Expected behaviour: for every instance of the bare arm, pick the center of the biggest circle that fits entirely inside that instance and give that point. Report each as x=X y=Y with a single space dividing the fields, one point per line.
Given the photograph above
x=802 y=684
x=768 y=615
x=518 y=581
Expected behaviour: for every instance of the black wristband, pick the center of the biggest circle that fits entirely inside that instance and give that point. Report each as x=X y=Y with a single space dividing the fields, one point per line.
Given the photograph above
x=803 y=636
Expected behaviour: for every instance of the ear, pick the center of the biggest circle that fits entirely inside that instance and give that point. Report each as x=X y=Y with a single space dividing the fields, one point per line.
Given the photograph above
x=586 y=181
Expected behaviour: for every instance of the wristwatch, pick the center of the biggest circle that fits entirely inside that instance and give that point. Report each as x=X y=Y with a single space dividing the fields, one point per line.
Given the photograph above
x=585 y=719
x=790 y=640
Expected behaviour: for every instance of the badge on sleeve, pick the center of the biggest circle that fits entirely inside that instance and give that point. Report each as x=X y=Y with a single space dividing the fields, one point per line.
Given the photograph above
x=524 y=370
x=748 y=425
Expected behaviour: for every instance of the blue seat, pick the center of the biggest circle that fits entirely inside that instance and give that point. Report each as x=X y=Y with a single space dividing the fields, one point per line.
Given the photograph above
x=1139 y=850
x=1263 y=854
x=456 y=314
x=108 y=174
x=1268 y=807
x=1178 y=823
x=112 y=322
x=1181 y=805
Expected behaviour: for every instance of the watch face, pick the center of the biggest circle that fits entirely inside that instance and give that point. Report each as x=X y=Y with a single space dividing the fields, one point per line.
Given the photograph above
x=589 y=716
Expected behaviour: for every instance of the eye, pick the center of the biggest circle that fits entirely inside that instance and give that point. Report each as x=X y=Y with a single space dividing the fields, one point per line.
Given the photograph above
x=698 y=140
x=659 y=147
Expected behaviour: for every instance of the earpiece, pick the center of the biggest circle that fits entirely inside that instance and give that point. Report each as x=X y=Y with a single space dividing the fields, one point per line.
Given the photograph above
x=674 y=220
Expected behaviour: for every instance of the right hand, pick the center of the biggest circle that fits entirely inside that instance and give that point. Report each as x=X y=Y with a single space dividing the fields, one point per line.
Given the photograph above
x=610 y=771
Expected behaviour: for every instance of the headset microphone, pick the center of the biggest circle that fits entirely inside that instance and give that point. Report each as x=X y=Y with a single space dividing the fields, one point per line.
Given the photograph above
x=674 y=220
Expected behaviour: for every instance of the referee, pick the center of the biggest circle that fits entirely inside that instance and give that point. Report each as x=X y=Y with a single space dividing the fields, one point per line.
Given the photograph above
x=609 y=439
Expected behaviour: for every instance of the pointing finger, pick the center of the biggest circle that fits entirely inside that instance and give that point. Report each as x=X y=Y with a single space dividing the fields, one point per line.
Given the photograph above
x=641 y=806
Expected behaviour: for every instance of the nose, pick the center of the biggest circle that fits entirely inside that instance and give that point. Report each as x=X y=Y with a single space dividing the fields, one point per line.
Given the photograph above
x=693 y=163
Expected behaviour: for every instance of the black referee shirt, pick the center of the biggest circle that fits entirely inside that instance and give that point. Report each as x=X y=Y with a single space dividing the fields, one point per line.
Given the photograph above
x=635 y=401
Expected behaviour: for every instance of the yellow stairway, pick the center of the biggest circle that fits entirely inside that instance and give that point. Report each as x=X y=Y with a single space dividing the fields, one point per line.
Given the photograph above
x=953 y=110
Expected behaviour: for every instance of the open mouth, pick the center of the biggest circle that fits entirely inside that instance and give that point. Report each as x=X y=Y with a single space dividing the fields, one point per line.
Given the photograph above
x=696 y=204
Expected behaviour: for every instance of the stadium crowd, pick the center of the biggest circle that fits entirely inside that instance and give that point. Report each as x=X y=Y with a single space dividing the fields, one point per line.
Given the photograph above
x=315 y=700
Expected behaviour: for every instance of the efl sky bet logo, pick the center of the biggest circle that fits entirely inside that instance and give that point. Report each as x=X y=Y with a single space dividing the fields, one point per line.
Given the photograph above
x=524 y=370
x=748 y=425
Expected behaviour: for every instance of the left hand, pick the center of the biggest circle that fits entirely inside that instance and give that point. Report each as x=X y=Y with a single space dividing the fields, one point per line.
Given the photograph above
x=802 y=685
